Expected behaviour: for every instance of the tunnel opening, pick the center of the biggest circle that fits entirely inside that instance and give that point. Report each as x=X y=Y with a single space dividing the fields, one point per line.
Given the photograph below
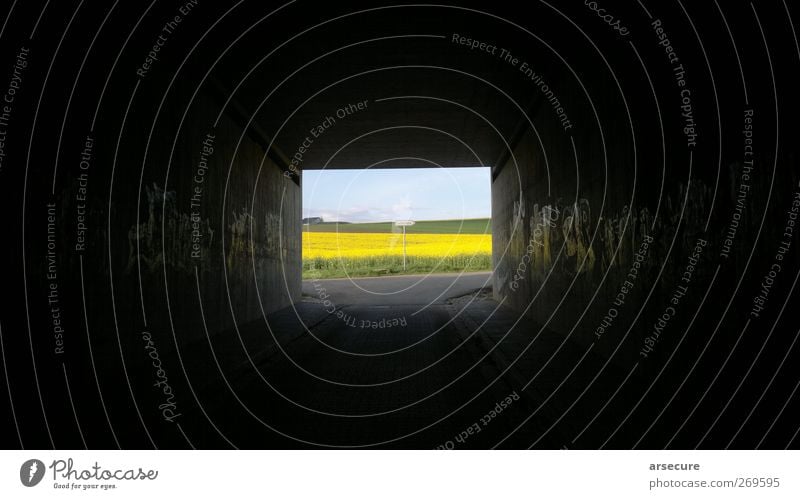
x=384 y=221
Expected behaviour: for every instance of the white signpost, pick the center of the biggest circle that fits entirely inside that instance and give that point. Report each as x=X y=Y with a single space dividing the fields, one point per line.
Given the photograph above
x=404 y=224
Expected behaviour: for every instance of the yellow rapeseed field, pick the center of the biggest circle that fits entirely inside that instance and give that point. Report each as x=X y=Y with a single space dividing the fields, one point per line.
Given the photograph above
x=332 y=254
x=354 y=245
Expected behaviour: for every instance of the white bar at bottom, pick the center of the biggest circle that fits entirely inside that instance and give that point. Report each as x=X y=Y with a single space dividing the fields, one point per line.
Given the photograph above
x=403 y=474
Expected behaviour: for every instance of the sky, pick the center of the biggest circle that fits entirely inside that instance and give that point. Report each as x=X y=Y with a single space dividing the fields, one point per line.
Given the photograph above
x=384 y=195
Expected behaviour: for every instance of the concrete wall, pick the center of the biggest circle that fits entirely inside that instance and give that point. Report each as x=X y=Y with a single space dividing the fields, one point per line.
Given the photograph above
x=215 y=214
x=568 y=223
x=249 y=261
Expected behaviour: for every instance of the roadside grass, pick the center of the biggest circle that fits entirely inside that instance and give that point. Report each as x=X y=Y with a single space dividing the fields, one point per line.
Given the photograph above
x=328 y=268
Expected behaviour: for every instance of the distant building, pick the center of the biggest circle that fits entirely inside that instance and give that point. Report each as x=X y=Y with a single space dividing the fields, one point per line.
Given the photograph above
x=312 y=221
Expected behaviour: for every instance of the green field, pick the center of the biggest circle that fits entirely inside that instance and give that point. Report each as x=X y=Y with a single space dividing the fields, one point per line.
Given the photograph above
x=469 y=226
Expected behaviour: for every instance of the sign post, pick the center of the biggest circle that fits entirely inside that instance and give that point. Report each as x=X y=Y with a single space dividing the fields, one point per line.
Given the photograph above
x=404 y=224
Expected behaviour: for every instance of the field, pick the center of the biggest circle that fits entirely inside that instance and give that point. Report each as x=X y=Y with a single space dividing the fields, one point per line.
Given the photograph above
x=329 y=254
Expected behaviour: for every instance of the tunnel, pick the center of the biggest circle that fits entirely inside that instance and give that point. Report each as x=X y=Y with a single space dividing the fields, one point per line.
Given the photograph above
x=644 y=190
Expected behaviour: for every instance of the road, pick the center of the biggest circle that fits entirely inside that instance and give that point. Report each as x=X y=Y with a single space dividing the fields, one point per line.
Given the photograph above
x=389 y=365
x=397 y=290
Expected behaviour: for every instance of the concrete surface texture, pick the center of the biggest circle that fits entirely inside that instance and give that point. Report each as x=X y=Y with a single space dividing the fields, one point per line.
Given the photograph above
x=643 y=220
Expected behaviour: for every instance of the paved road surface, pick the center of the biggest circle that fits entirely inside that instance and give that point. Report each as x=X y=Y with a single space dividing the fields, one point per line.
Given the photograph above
x=397 y=290
x=391 y=367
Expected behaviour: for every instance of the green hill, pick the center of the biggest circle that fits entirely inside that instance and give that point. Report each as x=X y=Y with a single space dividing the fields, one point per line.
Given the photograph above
x=469 y=226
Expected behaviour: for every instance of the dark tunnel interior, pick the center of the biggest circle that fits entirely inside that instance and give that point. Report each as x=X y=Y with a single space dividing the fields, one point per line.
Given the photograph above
x=644 y=190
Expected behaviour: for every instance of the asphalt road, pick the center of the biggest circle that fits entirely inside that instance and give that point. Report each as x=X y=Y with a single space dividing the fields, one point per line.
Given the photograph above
x=396 y=290
x=393 y=366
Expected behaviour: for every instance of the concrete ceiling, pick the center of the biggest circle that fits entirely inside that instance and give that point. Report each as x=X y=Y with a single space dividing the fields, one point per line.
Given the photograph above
x=424 y=100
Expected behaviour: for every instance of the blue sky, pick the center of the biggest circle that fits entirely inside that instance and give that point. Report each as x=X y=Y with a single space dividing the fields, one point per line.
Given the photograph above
x=397 y=194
